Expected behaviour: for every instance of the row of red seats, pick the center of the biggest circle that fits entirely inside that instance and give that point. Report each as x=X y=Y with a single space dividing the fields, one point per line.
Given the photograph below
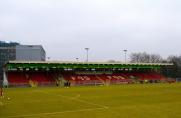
x=49 y=78
x=82 y=79
x=41 y=78
x=14 y=77
x=148 y=76
x=113 y=78
x=101 y=79
x=19 y=78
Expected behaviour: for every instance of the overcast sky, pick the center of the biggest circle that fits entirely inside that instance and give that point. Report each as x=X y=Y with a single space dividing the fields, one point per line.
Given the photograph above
x=107 y=27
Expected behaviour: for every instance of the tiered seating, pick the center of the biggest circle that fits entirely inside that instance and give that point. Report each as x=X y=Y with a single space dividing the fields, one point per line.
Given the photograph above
x=30 y=79
x=17 y=79
x=49 y=78
x=78 y=79
x=158 y=76
x=143 y=76
x=40 y=78
x=115 y=78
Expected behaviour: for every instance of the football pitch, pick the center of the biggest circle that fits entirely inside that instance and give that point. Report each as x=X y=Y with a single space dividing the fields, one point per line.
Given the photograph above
x=119 y=101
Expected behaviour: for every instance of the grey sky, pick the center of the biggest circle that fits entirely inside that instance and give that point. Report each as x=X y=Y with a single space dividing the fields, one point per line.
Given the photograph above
x=107 y=27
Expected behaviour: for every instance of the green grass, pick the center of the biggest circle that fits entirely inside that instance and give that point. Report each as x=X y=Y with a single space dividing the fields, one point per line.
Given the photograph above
x=121 y=101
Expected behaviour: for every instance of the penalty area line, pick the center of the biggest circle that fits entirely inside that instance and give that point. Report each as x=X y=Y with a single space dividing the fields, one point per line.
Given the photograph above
x=54 y=113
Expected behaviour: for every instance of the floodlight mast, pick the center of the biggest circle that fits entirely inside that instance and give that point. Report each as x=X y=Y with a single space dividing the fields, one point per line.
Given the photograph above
x=77 y=59
x=87 y=53
x=125 y=52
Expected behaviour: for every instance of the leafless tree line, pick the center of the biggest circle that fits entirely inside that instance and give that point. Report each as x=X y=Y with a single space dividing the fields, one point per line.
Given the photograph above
x=145 y=58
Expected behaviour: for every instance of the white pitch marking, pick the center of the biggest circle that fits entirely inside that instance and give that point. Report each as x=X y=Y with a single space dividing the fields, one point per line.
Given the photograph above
x=54 y=113
x=77 y=99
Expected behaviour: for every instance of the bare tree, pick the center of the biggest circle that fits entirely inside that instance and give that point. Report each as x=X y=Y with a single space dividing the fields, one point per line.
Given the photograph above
x=135 y=58
x=155 y=58
x=145 y=58
x=175 y=59
x=176 y=70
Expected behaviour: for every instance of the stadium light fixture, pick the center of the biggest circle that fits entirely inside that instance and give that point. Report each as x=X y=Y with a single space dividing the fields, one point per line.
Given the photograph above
x=77 y=59
x=87 y=51
x=125 y=52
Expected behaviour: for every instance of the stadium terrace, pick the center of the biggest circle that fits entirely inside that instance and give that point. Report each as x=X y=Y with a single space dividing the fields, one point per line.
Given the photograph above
x=55 y=73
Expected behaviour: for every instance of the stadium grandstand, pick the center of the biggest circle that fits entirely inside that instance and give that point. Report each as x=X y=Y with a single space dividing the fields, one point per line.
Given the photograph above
x=39 y=73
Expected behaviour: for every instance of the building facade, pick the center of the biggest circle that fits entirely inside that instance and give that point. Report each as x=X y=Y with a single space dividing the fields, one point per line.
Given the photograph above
x=30 y=53
x=7 y=53
x=10 y=51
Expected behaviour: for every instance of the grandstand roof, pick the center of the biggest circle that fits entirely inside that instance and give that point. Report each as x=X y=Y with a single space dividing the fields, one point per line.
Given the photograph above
x=62 y=64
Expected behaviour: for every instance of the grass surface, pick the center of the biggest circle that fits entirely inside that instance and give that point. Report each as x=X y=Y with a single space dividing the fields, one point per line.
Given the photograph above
x=123 y=101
